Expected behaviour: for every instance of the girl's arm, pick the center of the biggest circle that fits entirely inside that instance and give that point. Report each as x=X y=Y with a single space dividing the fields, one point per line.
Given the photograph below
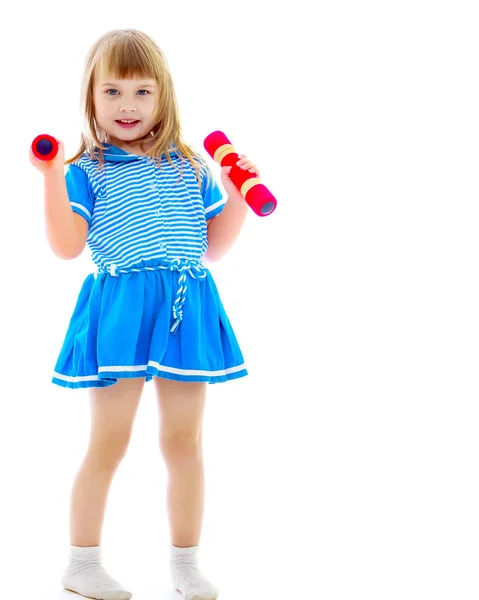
x=225 y=228
x=66 y=231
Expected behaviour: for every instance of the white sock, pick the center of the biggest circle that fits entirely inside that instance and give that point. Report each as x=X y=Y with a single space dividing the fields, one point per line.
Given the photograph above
x=86 y=576
x=186 y=576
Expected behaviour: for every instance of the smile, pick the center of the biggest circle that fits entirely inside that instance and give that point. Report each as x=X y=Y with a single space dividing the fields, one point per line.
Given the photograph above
x=127 y=123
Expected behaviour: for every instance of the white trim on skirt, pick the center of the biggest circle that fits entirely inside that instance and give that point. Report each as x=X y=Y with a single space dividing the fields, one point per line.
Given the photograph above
x=175 y=370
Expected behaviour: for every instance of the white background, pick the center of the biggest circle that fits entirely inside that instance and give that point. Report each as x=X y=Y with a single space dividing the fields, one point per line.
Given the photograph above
x=346 y=464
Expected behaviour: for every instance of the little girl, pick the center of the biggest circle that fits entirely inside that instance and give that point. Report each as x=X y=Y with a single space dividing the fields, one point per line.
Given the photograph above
x=149 y=209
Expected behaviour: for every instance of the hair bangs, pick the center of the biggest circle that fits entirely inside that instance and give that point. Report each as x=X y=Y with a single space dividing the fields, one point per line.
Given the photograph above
x=128 y=58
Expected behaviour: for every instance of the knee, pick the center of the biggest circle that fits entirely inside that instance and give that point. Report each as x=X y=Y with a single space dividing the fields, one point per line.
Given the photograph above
x=181 y=446
x=110 y=450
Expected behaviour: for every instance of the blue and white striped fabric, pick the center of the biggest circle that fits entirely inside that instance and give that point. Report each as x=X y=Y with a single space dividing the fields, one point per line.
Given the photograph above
x=152 y=307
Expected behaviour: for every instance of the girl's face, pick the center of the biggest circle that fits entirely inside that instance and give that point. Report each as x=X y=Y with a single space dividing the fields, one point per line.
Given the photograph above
x=120 y=100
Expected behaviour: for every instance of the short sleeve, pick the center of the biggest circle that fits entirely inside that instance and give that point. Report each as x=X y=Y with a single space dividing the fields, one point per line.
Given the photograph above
x=213 y=200
x=80 y=192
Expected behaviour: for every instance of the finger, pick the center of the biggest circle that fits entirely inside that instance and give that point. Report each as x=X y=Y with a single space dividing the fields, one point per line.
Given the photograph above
x=245 y=161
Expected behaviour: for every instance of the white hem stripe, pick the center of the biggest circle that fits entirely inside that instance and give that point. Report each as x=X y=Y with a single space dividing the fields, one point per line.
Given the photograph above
x=214 y=206
x=131 y=369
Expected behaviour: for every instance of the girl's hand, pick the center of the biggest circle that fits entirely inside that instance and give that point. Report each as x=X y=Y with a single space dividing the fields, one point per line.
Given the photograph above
x=245 y=164
x=50 y=166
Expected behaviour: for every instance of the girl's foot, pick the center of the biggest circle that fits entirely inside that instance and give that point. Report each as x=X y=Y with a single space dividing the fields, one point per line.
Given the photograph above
x=86 y=576
x=186 y=576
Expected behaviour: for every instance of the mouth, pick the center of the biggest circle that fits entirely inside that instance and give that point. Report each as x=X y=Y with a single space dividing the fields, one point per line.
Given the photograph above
x=127 y=123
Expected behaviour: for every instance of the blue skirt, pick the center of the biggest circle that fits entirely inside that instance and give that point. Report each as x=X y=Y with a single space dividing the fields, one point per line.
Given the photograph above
x=153 y=320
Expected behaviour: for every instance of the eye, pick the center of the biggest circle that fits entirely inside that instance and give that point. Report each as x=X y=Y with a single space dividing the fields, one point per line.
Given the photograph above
x=147 y=92
x=111 y=90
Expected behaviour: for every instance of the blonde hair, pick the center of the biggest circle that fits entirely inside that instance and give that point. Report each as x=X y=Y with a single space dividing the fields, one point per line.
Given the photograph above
x=128 y=53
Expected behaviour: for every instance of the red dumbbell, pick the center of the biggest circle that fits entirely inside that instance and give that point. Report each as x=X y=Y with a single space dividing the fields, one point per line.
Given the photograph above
x=258 y=197
x=45 y=147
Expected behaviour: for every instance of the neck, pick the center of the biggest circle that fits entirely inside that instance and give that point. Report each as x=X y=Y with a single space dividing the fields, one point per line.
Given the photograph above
x=132 y=147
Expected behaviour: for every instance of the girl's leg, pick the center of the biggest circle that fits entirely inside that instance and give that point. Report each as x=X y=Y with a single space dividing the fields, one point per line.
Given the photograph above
x=113 y=410
x=112 y=414
x=181 y=407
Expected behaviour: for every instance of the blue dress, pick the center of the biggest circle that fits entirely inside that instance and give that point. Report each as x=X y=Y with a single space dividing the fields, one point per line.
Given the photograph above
x=152 y=307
